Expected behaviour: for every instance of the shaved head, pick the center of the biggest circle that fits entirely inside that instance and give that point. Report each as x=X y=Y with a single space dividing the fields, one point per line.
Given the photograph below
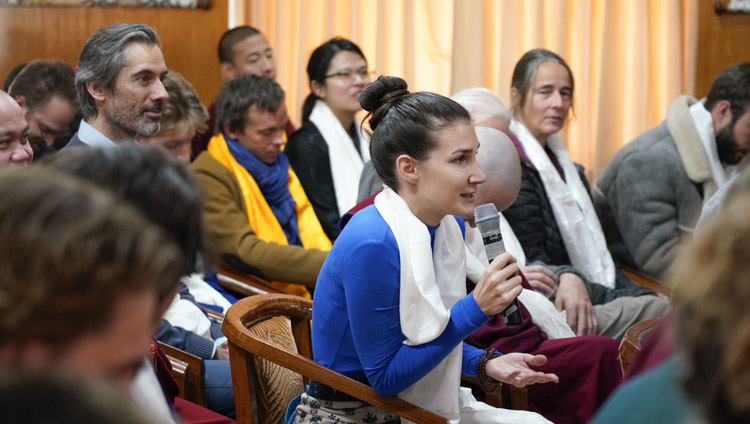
x=499 y=161
x=485 y=107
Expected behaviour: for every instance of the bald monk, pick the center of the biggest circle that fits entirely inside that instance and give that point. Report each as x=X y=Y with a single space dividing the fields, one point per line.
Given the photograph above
x=588 y=366
x=14 y=133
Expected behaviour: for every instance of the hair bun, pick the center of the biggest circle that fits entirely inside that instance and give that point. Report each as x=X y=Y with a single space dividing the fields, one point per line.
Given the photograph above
x=377 y=91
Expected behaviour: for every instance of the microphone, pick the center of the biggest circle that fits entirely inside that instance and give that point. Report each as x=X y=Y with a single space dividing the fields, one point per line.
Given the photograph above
x=487 y=220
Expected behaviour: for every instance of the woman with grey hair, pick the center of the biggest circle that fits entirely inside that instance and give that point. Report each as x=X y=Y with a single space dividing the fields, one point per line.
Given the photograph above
x=553 y=215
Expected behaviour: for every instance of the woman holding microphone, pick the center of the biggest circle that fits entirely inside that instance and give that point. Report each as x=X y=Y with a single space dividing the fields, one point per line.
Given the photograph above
x=390 y=306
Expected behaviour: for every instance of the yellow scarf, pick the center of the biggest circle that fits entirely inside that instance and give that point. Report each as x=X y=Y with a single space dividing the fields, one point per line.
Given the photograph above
x=261 y=217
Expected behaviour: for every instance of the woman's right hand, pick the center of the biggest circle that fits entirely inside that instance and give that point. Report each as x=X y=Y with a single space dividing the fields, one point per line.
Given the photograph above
x=499 y=285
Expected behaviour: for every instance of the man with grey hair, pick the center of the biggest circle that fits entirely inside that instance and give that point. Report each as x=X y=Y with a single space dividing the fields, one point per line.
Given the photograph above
x=119 y=85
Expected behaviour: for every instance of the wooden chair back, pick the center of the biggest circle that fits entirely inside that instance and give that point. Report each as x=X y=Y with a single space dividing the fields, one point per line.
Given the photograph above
x=187 y=370
x=244 y=346
x=631 y=343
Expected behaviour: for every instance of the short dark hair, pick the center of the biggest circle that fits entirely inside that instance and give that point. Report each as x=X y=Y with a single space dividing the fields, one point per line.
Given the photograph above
x=70 y=250
x=153 y=182
x=102 y=59
x=242 y=93
x=40 y=80
x=405 y=123
x=232 y=37
x=732 y=85
x=12 y=76
x=317 y=67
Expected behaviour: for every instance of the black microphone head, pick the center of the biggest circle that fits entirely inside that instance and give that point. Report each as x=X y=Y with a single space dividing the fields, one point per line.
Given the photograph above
x=487 y=219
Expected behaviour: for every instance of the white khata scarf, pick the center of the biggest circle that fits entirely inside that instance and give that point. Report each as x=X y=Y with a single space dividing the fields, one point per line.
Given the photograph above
x=432 y=281
x=572 y=207
x=346 y=164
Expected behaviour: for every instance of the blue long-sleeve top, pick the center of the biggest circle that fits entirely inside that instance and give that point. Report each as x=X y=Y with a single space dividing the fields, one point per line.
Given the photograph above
x=356 y=328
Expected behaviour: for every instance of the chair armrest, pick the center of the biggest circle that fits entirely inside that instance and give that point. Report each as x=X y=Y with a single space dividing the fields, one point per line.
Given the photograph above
x=646 y=281
x=243 y=283
x=244 y=345
x=519 y=396
x=631 y=343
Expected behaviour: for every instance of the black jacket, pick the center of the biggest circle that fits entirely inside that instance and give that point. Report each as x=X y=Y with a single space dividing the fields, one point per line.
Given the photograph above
x=534 y=224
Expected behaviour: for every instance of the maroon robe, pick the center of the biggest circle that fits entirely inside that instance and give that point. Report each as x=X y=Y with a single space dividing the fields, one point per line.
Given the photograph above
x=588 y=366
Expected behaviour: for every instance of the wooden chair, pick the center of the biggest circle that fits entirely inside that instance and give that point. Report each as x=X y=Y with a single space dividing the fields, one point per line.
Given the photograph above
x=631 y=344
x=516 y=397
x=245 y=346
x=187 y=369
x=243 y=283
x=646 y=281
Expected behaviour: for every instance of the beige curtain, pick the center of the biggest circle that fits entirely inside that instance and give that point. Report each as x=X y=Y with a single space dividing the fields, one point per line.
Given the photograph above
x=630 y=58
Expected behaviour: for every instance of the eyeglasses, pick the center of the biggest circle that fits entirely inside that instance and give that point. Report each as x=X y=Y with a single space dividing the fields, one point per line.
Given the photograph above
x=351 y=75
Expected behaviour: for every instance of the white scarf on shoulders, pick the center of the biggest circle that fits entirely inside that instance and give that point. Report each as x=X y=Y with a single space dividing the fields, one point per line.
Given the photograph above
x=571 y=204
x=346 y=163
x=432 y=280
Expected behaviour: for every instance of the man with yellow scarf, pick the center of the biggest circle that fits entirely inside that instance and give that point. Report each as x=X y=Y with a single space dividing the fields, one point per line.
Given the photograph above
x=255 y=207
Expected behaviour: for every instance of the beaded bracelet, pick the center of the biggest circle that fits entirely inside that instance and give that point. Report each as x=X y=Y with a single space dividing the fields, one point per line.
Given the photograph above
x=487 y=383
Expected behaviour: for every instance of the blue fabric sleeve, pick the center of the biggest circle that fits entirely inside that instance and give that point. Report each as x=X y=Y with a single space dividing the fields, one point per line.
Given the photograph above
x=185 y=340
x=390 y=365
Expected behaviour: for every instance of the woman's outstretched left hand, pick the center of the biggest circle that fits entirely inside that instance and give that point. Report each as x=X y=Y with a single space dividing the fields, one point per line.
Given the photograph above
x=515 y=369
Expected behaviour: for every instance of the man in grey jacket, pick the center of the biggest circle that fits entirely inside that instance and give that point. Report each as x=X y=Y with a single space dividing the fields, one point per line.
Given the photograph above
x=650 y=195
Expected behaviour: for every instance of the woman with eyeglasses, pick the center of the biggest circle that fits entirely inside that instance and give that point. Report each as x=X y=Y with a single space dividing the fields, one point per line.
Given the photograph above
x=330 y=149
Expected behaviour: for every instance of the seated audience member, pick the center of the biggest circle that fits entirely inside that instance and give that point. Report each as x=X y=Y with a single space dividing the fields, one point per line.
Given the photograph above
x=15 y=149
x=119 y=85
x=39 y=398
x=243 y=50
x=46 y=92
x=553 y=216
x=182 y=115
x=166 y=192
x=330 y=148
x=84 y=278
x=255 y=207
x=384 y=312
x=706 y=379
x=486 y=108
x=650 y=194
x=12 y=75
x=588 y=366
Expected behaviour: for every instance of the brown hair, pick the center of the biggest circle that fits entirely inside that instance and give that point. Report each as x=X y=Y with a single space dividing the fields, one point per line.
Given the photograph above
x=713 y=293
x=183 y=109
x=69 y=251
